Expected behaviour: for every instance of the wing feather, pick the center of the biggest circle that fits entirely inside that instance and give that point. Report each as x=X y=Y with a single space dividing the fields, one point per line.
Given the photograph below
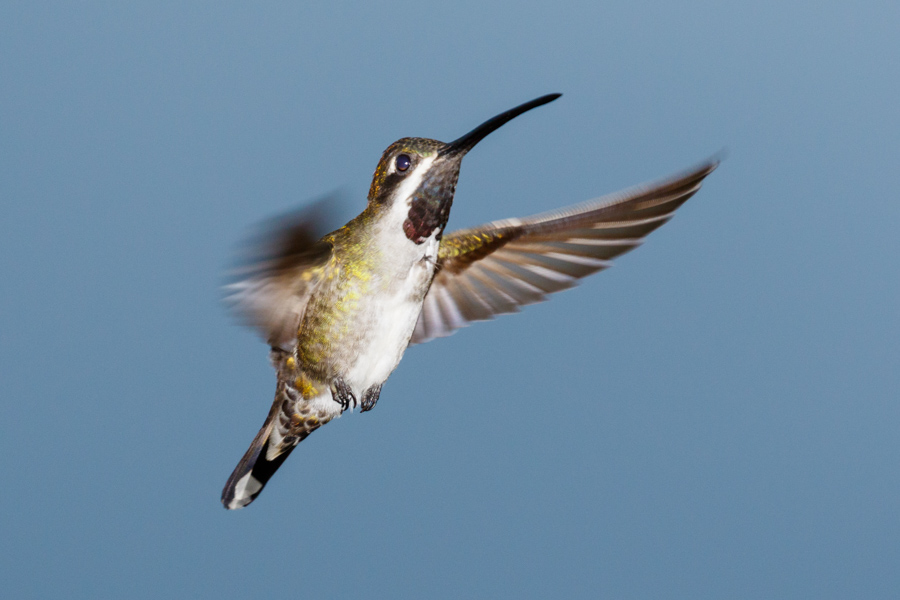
x=279 y=268
x=498 y=267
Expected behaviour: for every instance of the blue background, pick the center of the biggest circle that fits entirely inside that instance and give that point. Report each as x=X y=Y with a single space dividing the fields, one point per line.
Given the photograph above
x=717 y=416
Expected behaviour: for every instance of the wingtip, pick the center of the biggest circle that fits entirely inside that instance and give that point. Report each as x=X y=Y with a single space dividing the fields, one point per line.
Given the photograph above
x=718 y=157
x=703 y=168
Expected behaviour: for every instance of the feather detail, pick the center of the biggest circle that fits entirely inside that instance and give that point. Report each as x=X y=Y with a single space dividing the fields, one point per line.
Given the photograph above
x=498 y=267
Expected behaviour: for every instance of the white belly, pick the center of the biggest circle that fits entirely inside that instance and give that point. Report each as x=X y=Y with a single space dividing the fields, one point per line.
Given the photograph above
x=393 y=323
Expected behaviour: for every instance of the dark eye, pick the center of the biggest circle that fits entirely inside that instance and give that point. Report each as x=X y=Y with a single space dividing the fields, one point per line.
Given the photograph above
x=403 y=161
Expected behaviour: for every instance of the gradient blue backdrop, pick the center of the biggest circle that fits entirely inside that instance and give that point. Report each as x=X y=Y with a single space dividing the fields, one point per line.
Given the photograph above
x=716 y=417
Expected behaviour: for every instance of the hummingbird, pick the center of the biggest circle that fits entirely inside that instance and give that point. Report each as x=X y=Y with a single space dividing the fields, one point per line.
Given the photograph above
x=339 y=311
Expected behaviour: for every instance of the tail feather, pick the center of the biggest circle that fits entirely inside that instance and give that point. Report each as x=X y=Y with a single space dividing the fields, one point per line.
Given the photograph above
x=260 y=462
x=248 y=480
x=291 y=419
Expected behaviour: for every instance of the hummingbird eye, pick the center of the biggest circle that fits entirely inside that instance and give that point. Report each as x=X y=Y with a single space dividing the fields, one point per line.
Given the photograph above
x=403 y=161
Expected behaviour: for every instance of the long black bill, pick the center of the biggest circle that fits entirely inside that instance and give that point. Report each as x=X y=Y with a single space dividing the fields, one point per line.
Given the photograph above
x=468 y=141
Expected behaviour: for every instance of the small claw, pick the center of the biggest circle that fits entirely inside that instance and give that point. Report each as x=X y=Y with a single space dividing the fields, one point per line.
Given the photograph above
x=370 y=397
x=342 y=394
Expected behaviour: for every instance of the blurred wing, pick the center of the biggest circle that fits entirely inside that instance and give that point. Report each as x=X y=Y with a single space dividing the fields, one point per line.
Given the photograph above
x=498 y=267
x=279 y=268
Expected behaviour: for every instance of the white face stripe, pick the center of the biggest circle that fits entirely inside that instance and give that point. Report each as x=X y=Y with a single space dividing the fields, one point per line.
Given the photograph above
x=391 y=227
x=414 y=179
x=399 y=210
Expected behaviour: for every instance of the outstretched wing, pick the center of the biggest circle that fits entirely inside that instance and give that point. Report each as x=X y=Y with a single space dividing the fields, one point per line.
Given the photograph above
x=498 y=267
x=279 y=267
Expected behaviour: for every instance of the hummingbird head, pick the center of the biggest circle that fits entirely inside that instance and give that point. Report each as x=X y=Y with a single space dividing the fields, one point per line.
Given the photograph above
x=418 y=175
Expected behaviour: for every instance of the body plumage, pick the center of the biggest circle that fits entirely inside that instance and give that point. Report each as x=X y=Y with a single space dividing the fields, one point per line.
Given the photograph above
x=340 y=311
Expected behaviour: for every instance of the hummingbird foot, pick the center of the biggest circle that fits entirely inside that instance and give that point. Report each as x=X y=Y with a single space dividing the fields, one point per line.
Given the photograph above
x=370 y=397
x=341 y=393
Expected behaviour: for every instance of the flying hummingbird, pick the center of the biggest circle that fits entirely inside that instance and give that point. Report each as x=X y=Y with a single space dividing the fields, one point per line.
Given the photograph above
x=339 y=312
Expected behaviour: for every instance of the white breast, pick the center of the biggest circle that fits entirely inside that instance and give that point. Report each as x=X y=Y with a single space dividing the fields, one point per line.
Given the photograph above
x=394 y=319
x=400 y=301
